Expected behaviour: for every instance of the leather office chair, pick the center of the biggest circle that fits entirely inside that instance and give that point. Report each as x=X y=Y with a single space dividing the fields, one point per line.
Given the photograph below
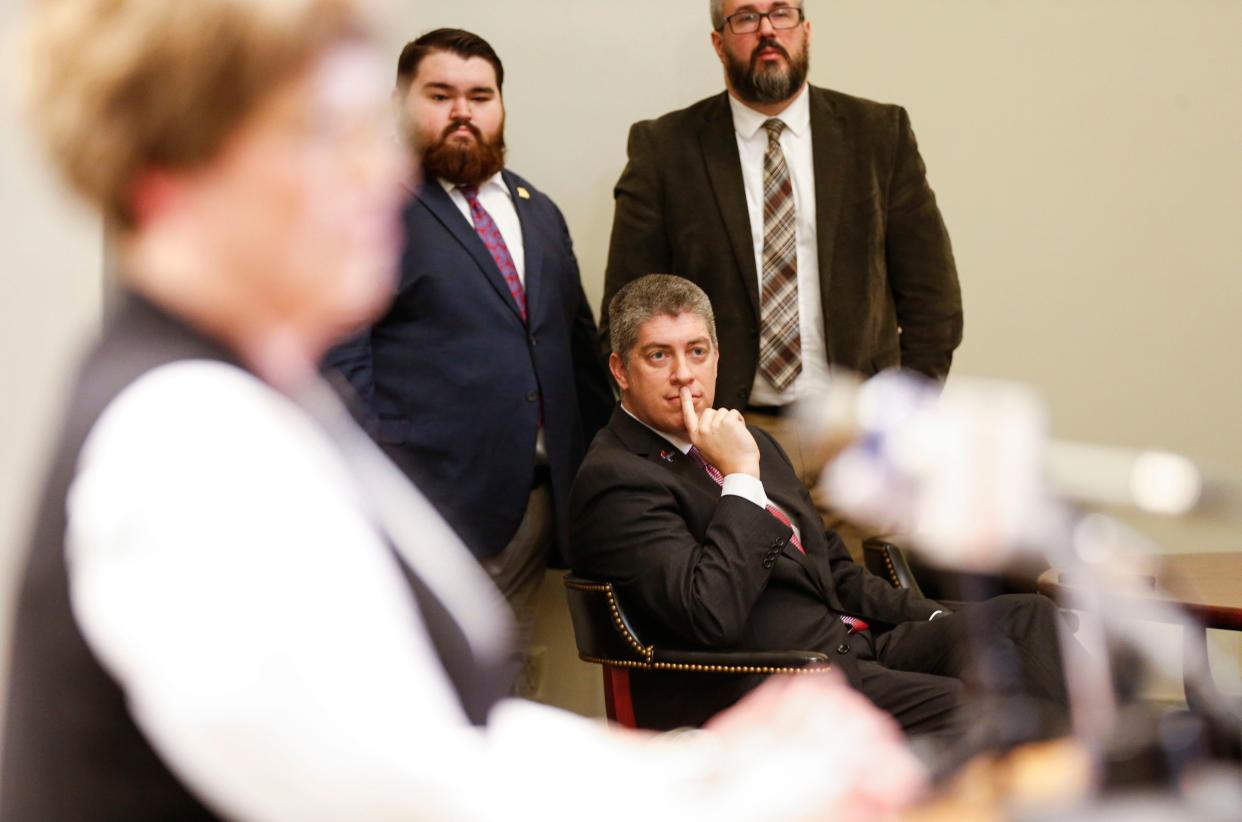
x=606 y=637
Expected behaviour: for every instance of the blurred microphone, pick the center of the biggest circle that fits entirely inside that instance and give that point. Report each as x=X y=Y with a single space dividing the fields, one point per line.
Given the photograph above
x=971 y=473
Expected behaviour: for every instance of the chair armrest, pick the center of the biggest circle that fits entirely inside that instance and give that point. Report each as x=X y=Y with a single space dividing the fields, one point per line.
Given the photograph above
x=605 y=636
x=886 y=560
x=749 y=662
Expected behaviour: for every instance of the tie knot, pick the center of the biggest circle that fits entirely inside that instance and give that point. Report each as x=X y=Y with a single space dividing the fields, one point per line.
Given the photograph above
x=471 y=193
x=774 y=127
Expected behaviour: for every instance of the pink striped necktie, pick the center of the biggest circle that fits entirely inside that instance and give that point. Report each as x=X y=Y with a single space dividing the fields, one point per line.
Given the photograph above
x=853 y=623
x=714 y=473
x=490 y=234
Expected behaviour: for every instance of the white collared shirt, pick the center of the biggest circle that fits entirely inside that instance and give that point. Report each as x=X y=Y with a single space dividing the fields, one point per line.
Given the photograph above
x=752 y=144
x=497 y=201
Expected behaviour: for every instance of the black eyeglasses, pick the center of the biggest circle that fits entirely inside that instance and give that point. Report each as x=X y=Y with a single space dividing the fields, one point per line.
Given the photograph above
x=747 y=22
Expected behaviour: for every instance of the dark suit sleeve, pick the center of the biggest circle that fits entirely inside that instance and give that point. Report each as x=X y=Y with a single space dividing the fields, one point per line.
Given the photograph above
x=595 y=397
x=865 y=594
x=861 y=592
x=629 y=528
x=639 y=243
x=352 y=360
x=921 y=270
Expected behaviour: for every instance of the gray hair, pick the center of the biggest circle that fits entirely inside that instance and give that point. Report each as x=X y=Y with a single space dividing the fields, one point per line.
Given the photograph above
x=655 y=295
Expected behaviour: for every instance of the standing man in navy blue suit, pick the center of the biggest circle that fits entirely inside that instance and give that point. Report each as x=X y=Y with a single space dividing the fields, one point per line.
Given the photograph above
x=484 y=379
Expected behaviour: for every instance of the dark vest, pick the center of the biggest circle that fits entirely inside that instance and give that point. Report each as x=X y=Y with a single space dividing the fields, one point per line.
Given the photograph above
x=71 y=748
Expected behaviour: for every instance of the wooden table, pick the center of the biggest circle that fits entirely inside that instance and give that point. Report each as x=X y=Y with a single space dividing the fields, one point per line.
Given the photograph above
x=1208 y=586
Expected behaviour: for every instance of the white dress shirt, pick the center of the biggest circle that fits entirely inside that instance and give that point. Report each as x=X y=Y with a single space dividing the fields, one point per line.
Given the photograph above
x=497 y=201
x=752 y=144
x=225 y=570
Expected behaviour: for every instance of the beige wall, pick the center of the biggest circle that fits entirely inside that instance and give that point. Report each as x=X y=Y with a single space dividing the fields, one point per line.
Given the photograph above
x=50 y=258
x=1085 y=156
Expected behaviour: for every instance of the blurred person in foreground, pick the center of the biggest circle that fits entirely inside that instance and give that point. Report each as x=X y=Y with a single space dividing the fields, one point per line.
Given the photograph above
x=233 y=605
x=483 y=379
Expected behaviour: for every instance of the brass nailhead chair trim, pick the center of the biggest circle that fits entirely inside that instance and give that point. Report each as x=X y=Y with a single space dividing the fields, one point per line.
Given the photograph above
x=706 y=669
x=892 y=572
x=606 y=588
x=648 y=650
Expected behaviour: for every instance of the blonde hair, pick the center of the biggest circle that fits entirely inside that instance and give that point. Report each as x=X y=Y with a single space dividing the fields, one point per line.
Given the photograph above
x=113 y=87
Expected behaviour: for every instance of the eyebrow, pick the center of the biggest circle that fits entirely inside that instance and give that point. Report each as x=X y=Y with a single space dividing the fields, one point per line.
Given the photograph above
x=655 y=346
x=450 y=87
x=748 y=7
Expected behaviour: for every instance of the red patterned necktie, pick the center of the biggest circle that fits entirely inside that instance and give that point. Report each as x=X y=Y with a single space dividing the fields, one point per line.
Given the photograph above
x=486 y=228
x=853 y=623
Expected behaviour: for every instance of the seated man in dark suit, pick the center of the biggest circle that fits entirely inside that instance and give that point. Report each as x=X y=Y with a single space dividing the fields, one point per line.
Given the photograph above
x=712 y=541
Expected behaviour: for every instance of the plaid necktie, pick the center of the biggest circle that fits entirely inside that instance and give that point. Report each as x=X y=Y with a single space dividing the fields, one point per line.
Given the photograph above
x=853 y=623
x=780 y=338
x=491 y=237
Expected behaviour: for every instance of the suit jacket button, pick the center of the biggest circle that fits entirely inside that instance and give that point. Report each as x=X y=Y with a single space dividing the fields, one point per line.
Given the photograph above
x=741 y=394
x=533 y=340
x=843 y=648
x=768 y=562
x=778 y=545
x=532 y=396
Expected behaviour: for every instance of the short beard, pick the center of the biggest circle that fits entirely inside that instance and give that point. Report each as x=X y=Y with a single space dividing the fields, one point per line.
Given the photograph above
x=772 y=85
x=468 y=164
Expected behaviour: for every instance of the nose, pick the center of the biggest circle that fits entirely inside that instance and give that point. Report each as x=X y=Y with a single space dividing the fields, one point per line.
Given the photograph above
x=766 y=29
x=461 y=109
x=682 y=374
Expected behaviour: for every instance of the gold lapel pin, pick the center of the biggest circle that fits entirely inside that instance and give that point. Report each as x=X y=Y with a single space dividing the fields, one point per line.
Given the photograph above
x=523 y=193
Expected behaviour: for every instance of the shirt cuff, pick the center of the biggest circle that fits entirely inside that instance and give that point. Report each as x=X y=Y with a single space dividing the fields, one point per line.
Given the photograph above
x=745 y=486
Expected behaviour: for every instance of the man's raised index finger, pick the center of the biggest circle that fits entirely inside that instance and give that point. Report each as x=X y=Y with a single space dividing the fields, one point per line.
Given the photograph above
x=687 y=411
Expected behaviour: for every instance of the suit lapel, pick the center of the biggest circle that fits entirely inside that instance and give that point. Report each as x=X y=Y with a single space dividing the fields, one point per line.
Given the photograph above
x=438 y=202
x=724 y=169
x=644 y=442
x=829 y=149
x=533 y=250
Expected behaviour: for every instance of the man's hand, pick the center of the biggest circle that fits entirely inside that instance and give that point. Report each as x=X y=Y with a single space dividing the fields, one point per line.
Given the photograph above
x=720 y=435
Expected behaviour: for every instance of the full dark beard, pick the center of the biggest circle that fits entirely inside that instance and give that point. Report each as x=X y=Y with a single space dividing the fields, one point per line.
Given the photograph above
x=771 y=85
x=465 y=164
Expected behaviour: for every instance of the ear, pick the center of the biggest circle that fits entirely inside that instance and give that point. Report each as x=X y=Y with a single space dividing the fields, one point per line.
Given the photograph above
x=618 y=371
x=718 y=45
x=152 y=194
